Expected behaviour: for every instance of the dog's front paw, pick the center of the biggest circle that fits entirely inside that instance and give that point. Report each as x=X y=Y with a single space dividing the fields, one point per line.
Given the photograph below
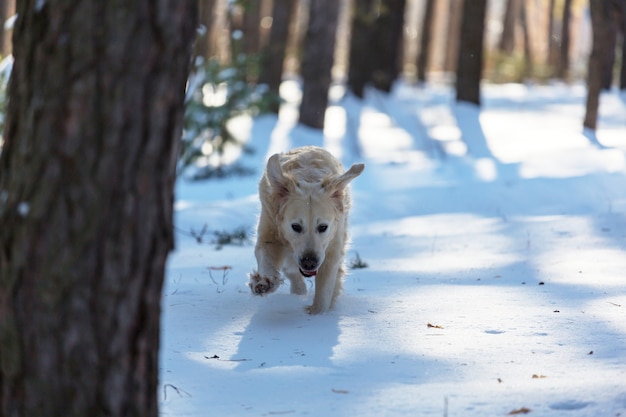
x=262 y=285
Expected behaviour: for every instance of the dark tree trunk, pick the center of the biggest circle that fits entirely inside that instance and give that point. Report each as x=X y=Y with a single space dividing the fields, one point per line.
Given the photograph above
x=594 y=74
x=612 y=12
x=86 y=200
x=469 y=67
x=252 y=26
x=622 y=82
x=424 y=50
x=206 y=18
x=387 y=44
x=318 y=61
x=563 y=61
x=361 y=34
x=274 y=56
x=507 y=38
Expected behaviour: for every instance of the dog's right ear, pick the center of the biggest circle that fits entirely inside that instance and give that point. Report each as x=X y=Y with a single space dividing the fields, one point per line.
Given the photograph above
x=275 y=175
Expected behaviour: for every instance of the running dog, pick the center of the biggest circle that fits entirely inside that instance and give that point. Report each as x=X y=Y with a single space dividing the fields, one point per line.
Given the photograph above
x=302 y=230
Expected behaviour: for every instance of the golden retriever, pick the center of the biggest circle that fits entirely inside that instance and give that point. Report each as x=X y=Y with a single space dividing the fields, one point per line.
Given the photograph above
x=302 y=229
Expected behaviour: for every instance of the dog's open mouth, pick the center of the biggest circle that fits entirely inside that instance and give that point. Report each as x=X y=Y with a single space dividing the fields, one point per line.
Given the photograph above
x=308 y=274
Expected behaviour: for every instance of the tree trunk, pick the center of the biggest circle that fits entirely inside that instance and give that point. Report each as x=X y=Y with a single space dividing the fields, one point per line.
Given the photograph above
x=454 y=28
x=594 y=75
x=622 y=79
x=318 y=61
x=507 y=38
x=423 y=54
x=206 y=15
x=387 y=43
x=563 y=61
x=361 y=34
x=553 y=45
x=274 y=56
x=86 y=200
x=469 y=68
x=612 y=19
x=528 y=56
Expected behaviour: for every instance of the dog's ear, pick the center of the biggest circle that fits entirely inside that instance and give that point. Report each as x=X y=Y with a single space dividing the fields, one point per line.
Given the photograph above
x=336 y=185
x=340 y=182
x=275 y=176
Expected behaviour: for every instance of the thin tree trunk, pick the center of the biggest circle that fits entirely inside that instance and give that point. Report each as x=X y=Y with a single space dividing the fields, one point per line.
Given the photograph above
x=612 y=17
x=528 y=56
x=86 y=200
x=469 y=69
x=454 y=28
x=622 y=82
x=387 y=44
x=552 y=39
x=318 y=61
x=206 y=12
x=507 y=38
x=361 y=34
x=274 y=56
x=594 y=75
x=563 y=62
x=423 y=54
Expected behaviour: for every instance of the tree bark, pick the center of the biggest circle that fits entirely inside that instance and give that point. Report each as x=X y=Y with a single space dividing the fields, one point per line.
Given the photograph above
x=469 y=67
x=622 y=79
x=274 y=56
x=424 y=51
x=318 y=61
x=563 y=61
x=594 y=74
x=454 y=28
x=387 y=40
x=206 y=13
x=507 y=38
x=86 y=200
x=612 y=22
x=361 y=34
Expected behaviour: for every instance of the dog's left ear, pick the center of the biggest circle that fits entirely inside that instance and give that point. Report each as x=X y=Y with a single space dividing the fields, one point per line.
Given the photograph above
x=342 y=181
x=337 y=185
x=276 y=177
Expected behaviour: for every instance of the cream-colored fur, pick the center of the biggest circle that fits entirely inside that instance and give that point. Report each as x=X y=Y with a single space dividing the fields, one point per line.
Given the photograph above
x=302 y=229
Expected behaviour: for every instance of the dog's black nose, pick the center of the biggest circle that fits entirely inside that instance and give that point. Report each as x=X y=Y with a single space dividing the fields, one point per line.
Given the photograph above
x=308 y=262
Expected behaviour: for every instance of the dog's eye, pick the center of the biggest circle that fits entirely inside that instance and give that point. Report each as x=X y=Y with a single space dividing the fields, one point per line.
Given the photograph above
x=322 y=228
x=296 y=228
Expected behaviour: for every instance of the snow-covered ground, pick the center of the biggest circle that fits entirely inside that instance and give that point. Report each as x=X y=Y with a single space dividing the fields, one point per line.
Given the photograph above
x=496 y=281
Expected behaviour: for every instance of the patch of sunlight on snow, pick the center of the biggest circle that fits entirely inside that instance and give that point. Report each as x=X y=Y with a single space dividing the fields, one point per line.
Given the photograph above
x=335 y=129
x=290 y=91
x=573 y=163
x=486 y=169
x=445 y=133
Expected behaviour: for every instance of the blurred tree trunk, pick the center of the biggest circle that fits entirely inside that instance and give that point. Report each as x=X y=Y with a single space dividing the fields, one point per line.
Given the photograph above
x=360 y=60
x=507 y=38
x=599 y=26
x=206 y=12
x=613 y=18
x=469 y=67
x=273 y=59
x=622 y=82
x=563 y=61
x=86 y=203
x=251 y=26
x=454 y=28
x=528 y=56
x=319 y=52
x=553 y=41
x=387 y=40
x=424 y=49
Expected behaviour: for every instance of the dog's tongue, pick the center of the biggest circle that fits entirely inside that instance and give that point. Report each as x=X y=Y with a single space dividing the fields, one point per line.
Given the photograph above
x=308 y=273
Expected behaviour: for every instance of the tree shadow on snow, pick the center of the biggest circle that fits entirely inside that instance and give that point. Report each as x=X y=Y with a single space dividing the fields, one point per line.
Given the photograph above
x=282 y=334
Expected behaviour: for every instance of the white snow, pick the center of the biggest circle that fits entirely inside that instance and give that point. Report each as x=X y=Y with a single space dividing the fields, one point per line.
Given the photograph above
x=495 y=240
